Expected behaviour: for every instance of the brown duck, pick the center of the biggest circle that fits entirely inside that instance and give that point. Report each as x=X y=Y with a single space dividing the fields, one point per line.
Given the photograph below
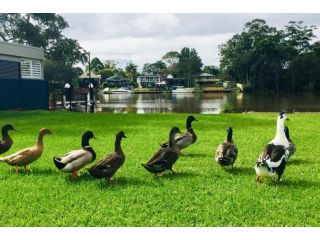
x=27 y=155
x=187 y=138
x=110 y=163
x=6 y=142
x=165 y=157
x=227 y=152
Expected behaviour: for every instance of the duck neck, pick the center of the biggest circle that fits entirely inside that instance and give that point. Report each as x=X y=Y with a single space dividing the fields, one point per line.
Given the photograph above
x=189 y=124
x=280 y=138
x=85 y=142
x=172 y=141
x=5 y=134
x=40 y=140
x=117 y=144
x=229 y=136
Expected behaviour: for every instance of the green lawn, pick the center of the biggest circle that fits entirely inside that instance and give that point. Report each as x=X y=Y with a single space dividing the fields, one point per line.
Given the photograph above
x=203 y=194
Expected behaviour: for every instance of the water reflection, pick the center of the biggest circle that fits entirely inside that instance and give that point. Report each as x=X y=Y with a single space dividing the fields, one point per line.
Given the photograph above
x=208 y=103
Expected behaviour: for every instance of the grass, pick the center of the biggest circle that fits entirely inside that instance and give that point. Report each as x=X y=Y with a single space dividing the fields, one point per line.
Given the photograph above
x=203 y=194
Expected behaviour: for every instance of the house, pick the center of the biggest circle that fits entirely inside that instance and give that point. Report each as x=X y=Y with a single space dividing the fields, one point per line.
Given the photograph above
x=118 y=81
x=208 y=83
x=178 y=81
x=22 y=83
x=89 y=77
x=148 y=81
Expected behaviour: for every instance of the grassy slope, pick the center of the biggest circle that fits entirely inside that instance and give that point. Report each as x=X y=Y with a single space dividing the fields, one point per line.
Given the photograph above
x=204 y=194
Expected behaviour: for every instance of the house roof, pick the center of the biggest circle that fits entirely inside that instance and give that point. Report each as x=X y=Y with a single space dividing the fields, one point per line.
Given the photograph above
x=206 y=75
x=116 y=78
x=86 y=75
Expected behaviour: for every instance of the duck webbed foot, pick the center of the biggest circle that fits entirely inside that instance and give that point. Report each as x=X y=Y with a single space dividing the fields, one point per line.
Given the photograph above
x=159 y=174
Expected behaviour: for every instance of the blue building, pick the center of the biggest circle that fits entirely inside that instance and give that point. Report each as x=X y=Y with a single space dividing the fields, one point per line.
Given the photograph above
x=22 y=83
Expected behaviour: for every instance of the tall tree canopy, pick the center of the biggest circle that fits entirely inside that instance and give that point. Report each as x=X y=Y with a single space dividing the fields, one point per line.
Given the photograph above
x=263 y=57
x=45 y=30
x=189 y=64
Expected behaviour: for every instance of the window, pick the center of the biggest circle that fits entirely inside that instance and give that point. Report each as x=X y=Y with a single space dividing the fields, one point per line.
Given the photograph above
x=30 y=69
x=9 y=70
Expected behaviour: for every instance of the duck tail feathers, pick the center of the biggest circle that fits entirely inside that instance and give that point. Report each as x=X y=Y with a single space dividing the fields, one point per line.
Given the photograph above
x=164 y=145
x=58 y=163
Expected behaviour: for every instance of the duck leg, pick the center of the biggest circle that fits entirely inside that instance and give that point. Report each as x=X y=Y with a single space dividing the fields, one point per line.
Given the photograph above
x=17 y=169
x=109 y=180
x=74 y=174
x=25 y=168
x=259 y=179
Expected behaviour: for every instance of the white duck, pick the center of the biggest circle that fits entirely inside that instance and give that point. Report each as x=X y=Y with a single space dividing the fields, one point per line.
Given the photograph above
x=272 y=160
x=77 y=159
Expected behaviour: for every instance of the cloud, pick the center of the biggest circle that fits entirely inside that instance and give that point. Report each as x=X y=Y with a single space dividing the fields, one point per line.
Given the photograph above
x=143 y=38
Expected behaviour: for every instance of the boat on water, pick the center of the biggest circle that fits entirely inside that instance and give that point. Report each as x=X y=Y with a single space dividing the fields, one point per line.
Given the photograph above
x=118 y=90
x=181 y=89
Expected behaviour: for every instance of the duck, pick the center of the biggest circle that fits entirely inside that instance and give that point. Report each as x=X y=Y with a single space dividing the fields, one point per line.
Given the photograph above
x=110 y=163
x=28 y=155
x=292 y=146
x=187 y=138
x=227 y=152
x=272 y=160
x=164 y=158
x=6 y=142
x=77 y=159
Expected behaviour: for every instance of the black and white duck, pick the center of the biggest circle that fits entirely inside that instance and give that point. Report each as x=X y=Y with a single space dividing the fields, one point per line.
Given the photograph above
x=77 y=159
x=227 y=152
x=292 y=146
x=110 y=163
x=272 y=160
x=164 y=158
x=6 y=142
x=187 y=138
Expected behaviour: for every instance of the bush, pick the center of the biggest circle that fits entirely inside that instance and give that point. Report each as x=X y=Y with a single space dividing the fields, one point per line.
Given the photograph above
x=227 y=108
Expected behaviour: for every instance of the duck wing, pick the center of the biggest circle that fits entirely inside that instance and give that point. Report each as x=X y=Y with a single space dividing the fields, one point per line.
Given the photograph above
x=18 y=157
x=272 y=155
x=73 y=155
x=182 y=140
x=108 y=166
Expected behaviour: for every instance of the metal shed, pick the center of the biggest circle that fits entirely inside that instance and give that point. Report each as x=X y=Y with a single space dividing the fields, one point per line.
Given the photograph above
x=22 y=84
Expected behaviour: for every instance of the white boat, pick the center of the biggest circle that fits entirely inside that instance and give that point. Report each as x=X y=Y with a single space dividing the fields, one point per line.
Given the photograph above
x=181 y=89
x=122 y=90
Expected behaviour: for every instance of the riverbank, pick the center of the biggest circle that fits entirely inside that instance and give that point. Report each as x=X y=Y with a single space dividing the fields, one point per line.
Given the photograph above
x=203 y=194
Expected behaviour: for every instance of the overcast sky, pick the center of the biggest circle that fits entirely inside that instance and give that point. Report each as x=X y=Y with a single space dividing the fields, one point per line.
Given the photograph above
x=145 y=38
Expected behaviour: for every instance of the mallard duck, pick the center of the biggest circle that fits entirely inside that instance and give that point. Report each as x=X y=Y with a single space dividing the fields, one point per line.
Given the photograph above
x=272 y=161
x=77 y=159
x=6 y=142
x=27 y=155
x=227 y=152
x=186 y=139
x=165 y=157
x=292 y=146
x=110 y=163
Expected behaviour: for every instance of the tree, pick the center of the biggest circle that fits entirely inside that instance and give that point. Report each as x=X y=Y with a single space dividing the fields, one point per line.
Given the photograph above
x=189 y=64
x=36 y=29
x=211 y=70
x=157 y=67
x=96 y=65
x=131 y=71
x=171 y=59
x=42 y=30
